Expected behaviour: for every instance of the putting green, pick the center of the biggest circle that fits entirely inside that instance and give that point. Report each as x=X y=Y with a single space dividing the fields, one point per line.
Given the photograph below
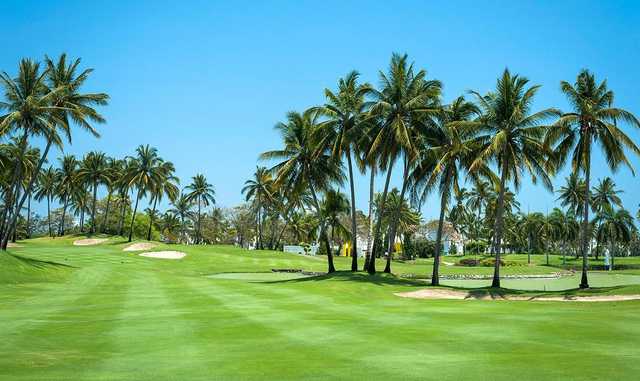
x=551 y=284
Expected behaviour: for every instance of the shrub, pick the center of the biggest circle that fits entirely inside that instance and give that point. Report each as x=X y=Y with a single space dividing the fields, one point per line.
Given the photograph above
x=476 y=247
x=470 y=262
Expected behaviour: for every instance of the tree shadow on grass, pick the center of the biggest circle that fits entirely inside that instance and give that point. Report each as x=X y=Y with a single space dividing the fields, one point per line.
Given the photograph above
x=38 y=263
x=362 y=277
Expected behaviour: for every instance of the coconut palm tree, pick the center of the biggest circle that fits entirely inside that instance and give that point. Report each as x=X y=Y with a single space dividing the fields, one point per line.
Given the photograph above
x=406 y=97
x=47 y=183
x=513 y=141
x=144 y=172
x=334 y=207
x=448 y=151
x=80 y=201
x=593 y=120
x=94 y=172
x=305 y=163
x=42 y=104
x=182 y=208
x=571 y=195
x=614 y=226
x=346 y=119
x=605 y=194
x=114 y=172
x=167 y=185
x=202 y=193
x=67 y=179
x=260 y=190
x=478 y=198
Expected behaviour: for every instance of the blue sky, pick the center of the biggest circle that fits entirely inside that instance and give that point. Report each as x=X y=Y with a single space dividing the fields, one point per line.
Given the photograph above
x=205 y=81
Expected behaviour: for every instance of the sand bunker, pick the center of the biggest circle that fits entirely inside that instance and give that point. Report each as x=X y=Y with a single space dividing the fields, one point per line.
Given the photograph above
x=11 y=244
x=164 y=254
x=438 y=293
x=89 y=241
x=140 y=246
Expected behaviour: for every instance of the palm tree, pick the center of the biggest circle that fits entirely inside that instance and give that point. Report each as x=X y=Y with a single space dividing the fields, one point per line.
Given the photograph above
x=144 y=172
x=47 y=183
x=448 y=151
x=43 y=103
x=334 y=207
x=513 y=141
x=593 y=120
x=477 y=199
x=93 y=171
x=260 y=190
x=305 y=164
x=67 y=179
x=114 y=172
x=605 y=194
x=346 y=115
x=405 y=102
x=166 y=185
x=182 y=208
x=203 y=194
x=614 y=226
x=571 y=195
x=80 y=199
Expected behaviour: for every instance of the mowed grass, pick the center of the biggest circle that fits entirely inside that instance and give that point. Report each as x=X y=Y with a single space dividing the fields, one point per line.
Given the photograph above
x=98 y=313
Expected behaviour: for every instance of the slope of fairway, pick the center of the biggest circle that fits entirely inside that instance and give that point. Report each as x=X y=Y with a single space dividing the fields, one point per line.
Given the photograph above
x=115 y=315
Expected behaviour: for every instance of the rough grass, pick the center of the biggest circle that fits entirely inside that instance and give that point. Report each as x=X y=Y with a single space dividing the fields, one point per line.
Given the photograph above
x=98 y=313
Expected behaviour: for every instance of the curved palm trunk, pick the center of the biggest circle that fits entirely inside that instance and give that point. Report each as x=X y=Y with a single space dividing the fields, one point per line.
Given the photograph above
x=395 y=220
x=27 y=190
x=93 y=208
x=497 y=243
x=354 y=226
x=8 y=215
x=435 y=276
x=133 y=217
x=584 y=246
x=153 y=212
x=323 y=233
x=29 y=217
x=105 y=221
x=371 y=267
x=370 y=230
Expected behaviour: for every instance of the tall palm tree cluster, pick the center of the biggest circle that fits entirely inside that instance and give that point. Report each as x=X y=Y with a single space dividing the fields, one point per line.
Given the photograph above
x=490 y=142
x=45 y=102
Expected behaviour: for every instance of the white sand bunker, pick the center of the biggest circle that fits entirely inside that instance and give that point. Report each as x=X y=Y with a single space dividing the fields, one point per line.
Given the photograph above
x=164 y=254
x=89 y=241
x=140 y=246
x=11 y=244
x=439 y=293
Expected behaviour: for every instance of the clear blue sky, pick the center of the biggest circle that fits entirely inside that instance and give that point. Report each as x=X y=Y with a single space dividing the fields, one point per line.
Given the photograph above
x=205 y=82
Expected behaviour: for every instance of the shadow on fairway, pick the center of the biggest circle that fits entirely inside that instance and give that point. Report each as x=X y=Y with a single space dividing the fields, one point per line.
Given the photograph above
x=38 y=263
x=379 y=279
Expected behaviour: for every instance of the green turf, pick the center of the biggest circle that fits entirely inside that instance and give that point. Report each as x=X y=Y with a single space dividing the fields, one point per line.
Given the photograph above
x=98 y=313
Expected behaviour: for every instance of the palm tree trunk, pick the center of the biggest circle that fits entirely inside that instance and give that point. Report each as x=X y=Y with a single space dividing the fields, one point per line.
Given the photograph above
x=106 y=213
x=122 y=216
x=29 y=217
x=29 y=187
x=370 y=230
x=354 y=226
x=435 y=276
x=133 y=217
x=198 y=239
x=371 y=268
x=153 y=212
x=49 y=214
x=277 y=244
x=64 y=214
x=395 y=219
x=7 y=217
x=323 y=233
x=497 y=243
x=93 y=207
x=584 y=282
